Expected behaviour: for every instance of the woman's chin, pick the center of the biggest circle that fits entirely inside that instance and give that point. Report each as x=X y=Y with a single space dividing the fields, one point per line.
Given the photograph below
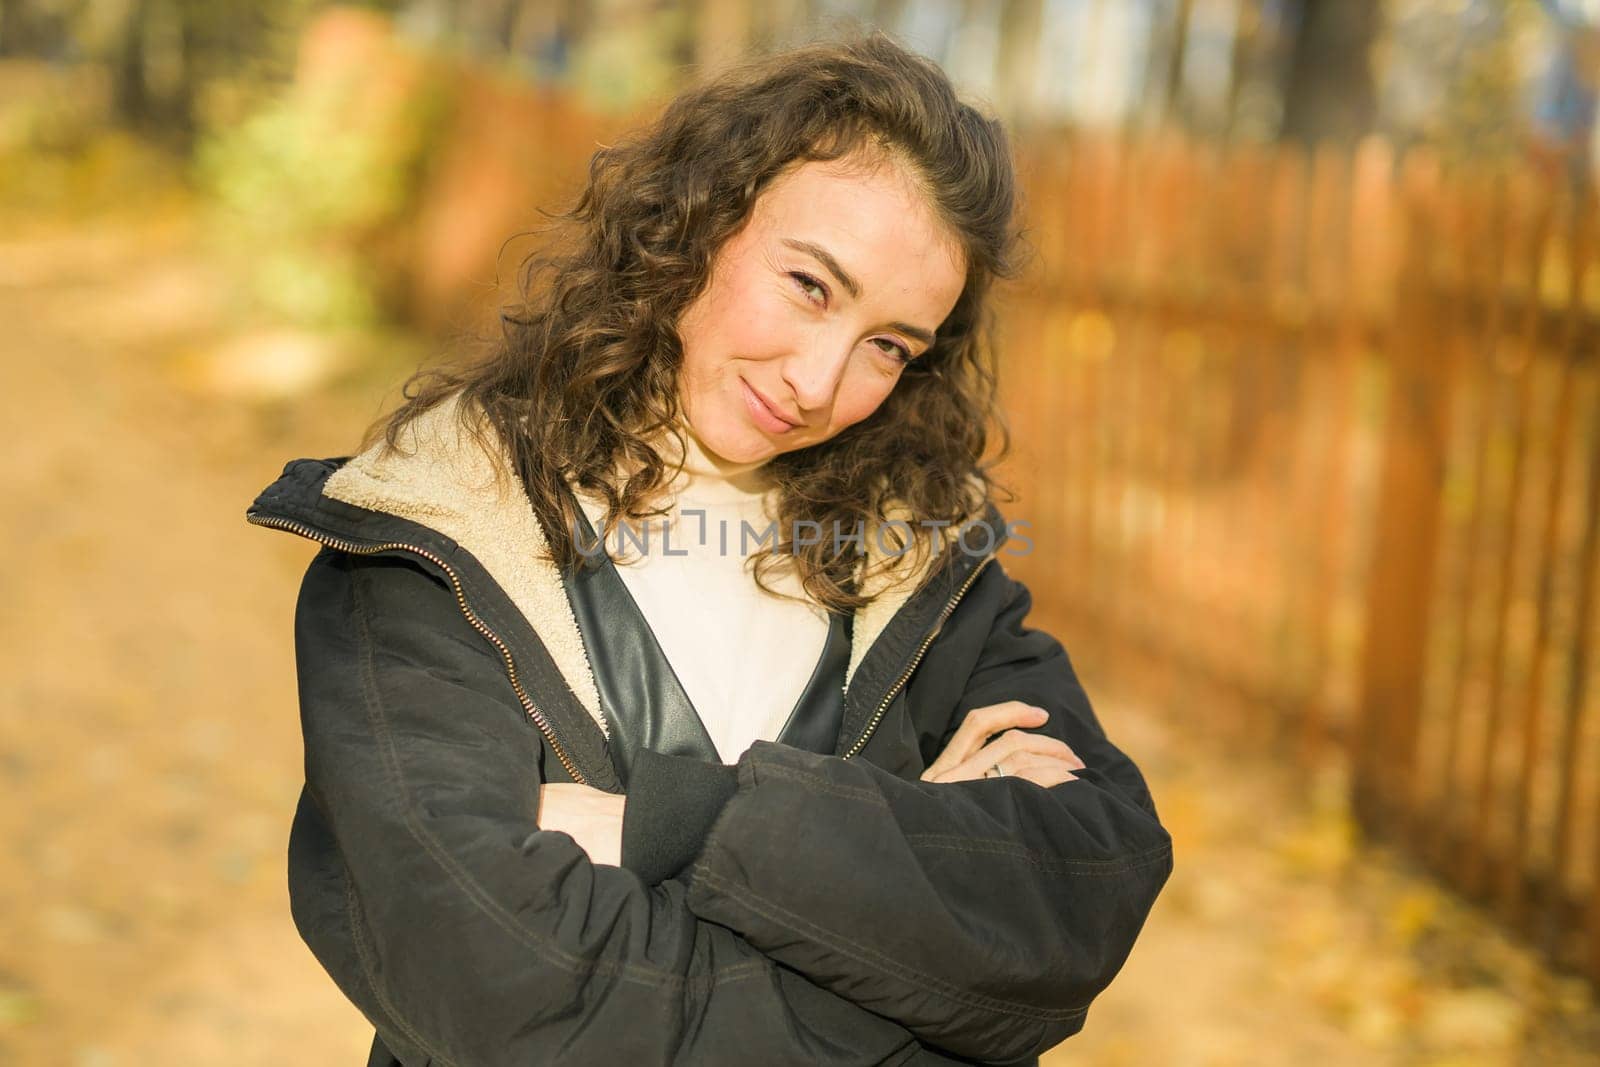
x=731 y=440
x=746 y=446
x=729 y=433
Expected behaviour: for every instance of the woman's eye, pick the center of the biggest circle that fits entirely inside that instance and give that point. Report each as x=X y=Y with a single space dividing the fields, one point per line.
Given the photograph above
x=893 y=348
x=807 y=283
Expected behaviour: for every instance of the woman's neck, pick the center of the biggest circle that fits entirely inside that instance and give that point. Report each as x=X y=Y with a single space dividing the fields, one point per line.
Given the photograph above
x=705 y=468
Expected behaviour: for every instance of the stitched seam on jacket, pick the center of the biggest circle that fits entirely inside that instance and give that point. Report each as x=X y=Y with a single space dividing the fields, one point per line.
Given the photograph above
x=475 y=893
x=1094 y=868
x=927 y=983
x=364 y=953
x=964 y=844
x=822 y=785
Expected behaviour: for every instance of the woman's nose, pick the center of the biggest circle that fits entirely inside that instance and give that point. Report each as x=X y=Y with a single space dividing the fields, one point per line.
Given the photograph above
x=814 y=373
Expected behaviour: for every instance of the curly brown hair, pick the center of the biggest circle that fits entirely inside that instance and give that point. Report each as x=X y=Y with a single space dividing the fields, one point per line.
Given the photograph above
x=583 y=380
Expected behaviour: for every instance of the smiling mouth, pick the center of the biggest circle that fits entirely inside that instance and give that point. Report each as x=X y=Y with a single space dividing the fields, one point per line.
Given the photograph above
x=765 y=415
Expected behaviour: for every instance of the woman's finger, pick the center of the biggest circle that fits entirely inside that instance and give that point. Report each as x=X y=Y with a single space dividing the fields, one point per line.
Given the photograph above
x=1042 y=769
x=1005 y=750
x=978 y=726
x=1014 y=742
x=948 y=769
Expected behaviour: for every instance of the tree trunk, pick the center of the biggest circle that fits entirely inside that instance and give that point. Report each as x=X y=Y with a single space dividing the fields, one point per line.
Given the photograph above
x=1330 y=95
x=130 y=92
x=13 y=34
x=1016 y=81
x=1179 y=47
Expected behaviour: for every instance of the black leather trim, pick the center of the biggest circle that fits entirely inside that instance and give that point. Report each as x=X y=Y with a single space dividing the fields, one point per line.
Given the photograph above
x=814 y=723
x=640 y=693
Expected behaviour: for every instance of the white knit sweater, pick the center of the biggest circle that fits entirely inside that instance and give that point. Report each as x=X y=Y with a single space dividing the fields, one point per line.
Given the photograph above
x=742 y=655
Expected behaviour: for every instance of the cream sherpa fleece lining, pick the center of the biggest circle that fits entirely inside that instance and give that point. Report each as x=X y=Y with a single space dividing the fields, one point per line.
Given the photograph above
x=442 y=479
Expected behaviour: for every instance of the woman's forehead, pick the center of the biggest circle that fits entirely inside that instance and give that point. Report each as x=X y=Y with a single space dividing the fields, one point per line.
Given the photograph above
x=860 y=212
x=862 y=170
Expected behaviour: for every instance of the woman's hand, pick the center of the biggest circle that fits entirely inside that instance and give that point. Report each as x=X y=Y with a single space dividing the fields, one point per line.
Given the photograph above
x=1040 y=759
x=592 y=817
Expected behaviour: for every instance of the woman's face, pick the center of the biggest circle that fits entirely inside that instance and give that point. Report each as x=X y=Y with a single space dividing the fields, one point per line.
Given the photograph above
x=841 y=274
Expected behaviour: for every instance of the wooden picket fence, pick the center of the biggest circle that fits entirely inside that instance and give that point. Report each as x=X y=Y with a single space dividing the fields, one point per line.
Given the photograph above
x=1311 y=443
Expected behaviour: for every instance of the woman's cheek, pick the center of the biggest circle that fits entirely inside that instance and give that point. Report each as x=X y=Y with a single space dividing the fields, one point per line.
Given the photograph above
x=865 y=392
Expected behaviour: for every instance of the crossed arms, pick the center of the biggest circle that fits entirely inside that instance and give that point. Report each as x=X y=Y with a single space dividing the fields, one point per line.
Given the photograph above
x=837 y=914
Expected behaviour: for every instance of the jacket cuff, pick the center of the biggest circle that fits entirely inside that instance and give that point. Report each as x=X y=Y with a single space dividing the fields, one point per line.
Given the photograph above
x=672 y=802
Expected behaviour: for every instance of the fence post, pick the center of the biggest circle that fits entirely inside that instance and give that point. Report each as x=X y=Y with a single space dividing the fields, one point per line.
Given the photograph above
x=1407 y=521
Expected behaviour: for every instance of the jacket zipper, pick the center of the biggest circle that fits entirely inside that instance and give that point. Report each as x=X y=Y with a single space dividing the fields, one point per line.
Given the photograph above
x=944 y=614
x=461 y=600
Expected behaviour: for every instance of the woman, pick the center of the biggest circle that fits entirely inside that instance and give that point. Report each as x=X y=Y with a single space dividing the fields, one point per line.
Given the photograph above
x=521 y=841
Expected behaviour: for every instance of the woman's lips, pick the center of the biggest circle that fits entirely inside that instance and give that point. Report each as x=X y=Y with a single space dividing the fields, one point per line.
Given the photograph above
x=764 y=416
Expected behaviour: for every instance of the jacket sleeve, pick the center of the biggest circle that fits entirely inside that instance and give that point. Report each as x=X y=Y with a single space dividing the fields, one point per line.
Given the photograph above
x=472 y=934
x=983 y=915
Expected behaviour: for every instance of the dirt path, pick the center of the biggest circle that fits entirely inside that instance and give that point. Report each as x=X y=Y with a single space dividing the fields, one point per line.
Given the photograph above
x=149 y=753
x=148 y=743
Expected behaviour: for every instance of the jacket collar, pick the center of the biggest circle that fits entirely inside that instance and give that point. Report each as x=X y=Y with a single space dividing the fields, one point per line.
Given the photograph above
x=442 y=477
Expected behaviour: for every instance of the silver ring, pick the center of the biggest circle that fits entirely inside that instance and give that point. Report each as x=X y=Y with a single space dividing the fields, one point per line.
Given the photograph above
x=999 y=772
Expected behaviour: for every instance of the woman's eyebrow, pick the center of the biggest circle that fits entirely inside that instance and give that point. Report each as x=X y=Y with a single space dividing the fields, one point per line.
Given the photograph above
x=823 y=256
x=853 y=287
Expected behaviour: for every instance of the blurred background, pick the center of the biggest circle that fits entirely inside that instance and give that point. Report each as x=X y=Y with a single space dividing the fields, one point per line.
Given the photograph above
x=1306 y=408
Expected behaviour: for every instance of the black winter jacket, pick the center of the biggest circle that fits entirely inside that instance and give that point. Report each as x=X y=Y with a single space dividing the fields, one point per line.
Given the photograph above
x=797 y=908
